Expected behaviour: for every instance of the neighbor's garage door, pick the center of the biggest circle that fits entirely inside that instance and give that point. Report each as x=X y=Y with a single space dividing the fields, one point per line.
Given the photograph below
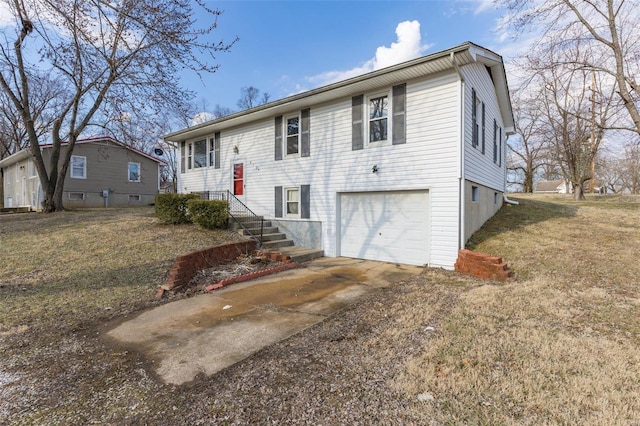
x=391 y=226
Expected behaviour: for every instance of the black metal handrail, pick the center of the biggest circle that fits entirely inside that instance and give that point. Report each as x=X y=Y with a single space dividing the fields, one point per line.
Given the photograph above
x=242 y=215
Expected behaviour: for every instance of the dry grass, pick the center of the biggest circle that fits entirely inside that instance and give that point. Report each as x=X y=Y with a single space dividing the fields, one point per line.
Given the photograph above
x=76 y=268
x=561 y=345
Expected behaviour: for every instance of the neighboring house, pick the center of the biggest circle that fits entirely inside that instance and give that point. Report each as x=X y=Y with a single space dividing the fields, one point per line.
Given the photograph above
x=402 y=164
x=558 y=186
x=103 y=172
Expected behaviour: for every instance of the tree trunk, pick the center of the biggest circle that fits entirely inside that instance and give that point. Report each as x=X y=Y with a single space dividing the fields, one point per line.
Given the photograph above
x=578 y=193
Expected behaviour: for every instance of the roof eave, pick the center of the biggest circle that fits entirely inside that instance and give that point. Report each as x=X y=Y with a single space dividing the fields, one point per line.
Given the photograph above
x=324 y=93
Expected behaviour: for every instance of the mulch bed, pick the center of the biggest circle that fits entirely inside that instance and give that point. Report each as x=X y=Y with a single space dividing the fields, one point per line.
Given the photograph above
x=249 y=265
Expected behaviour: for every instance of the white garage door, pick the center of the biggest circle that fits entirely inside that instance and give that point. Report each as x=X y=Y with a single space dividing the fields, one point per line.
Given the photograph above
x=390 y=226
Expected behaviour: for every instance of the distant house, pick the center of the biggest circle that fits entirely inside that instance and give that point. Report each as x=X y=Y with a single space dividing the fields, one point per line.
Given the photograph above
x=558 y=186
x=103 y=172
x=402 y=164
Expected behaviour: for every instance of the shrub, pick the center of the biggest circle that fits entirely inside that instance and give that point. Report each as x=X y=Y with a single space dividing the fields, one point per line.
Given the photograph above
x=209 y=214
x=172 y=208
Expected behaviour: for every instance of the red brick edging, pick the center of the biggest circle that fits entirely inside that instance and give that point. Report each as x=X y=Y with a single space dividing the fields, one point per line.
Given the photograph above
x=251 y=275
x=186 y=266
x=483 y=265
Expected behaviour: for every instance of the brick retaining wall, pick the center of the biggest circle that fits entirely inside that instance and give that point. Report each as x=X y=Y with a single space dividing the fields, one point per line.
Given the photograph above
x=187 y=266
x=482 y=265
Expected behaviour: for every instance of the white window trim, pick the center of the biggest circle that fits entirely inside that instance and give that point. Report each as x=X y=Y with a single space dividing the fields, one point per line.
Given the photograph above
x=84 y=167
x=211 y=152
x=129 y=171
x=285 y=201
x=286 y=137
x=367 y=120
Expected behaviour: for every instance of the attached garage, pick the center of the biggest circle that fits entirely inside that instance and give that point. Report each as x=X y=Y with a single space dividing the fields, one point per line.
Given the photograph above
x=390 y=226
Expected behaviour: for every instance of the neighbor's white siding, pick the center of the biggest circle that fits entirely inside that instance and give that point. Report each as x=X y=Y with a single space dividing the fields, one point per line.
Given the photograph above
x=429 y=160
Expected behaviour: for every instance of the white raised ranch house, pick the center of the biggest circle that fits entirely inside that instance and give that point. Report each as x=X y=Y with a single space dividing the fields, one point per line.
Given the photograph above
x=402 y=164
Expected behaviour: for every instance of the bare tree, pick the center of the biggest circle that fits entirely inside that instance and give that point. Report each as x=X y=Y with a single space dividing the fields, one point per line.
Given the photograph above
x=105 y=55
x=622 y=172
x=250 y=97
x=529 y=151
x=608 y=27
x=220 y=111
x=577 y=107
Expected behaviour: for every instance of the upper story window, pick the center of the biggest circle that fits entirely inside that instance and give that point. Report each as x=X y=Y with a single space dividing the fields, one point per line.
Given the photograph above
x=477 y=121
x=378 y=118
x=134 y=172
x=78 y=169
x=293 y=135
x=200 y=154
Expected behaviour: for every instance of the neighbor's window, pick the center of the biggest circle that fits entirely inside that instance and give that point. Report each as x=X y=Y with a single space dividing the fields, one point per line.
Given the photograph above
x=134 y=172
x=293 y=201
x=134 y=197
x=200 y=154
x=76 y=196
x=293 y=135
x=378 y=112
x=78 y=168
x=475 y=196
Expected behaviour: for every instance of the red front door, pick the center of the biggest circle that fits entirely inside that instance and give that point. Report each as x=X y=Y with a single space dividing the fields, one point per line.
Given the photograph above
x=238 y=179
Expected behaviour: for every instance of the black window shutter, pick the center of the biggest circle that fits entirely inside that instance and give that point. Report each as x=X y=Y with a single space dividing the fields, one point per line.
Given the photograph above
x=305 y=201
x=500 y=148
x=216 y=150
x=183 y=148
x=278 y=144
x=483 y=131
x=305 y=148
x=357 y=127
x=399 y=105
x=278 y=201
x=495 y=141
x=474 y=119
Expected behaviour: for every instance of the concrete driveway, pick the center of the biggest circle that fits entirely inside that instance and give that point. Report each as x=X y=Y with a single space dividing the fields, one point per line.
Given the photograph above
x=209 y=332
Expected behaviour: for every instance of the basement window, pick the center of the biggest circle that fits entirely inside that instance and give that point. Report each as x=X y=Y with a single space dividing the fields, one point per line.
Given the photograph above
x=134 y=197
x=76 y=196
x=475 y=194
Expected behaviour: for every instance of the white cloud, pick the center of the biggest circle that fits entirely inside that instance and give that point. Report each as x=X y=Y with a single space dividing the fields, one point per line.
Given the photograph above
x=408 y=46
x=6 y=15
x=201 y=117
x=483 y=5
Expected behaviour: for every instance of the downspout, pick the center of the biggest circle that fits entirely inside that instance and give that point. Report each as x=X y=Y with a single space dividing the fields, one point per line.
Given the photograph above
x=504 y=194
x=461 y=180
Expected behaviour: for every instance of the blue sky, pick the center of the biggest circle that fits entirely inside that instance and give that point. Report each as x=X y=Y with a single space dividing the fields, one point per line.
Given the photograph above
x=286 y=47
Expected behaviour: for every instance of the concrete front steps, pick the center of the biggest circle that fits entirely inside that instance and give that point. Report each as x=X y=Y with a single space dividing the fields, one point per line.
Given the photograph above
x=274 y=240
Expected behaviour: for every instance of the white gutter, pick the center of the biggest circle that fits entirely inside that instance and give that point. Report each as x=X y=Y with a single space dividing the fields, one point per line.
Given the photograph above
x=504 y=193
x=461 y=180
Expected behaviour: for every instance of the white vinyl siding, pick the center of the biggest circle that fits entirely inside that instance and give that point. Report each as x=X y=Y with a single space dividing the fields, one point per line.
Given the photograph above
x=427 y=161
x=479 y=167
